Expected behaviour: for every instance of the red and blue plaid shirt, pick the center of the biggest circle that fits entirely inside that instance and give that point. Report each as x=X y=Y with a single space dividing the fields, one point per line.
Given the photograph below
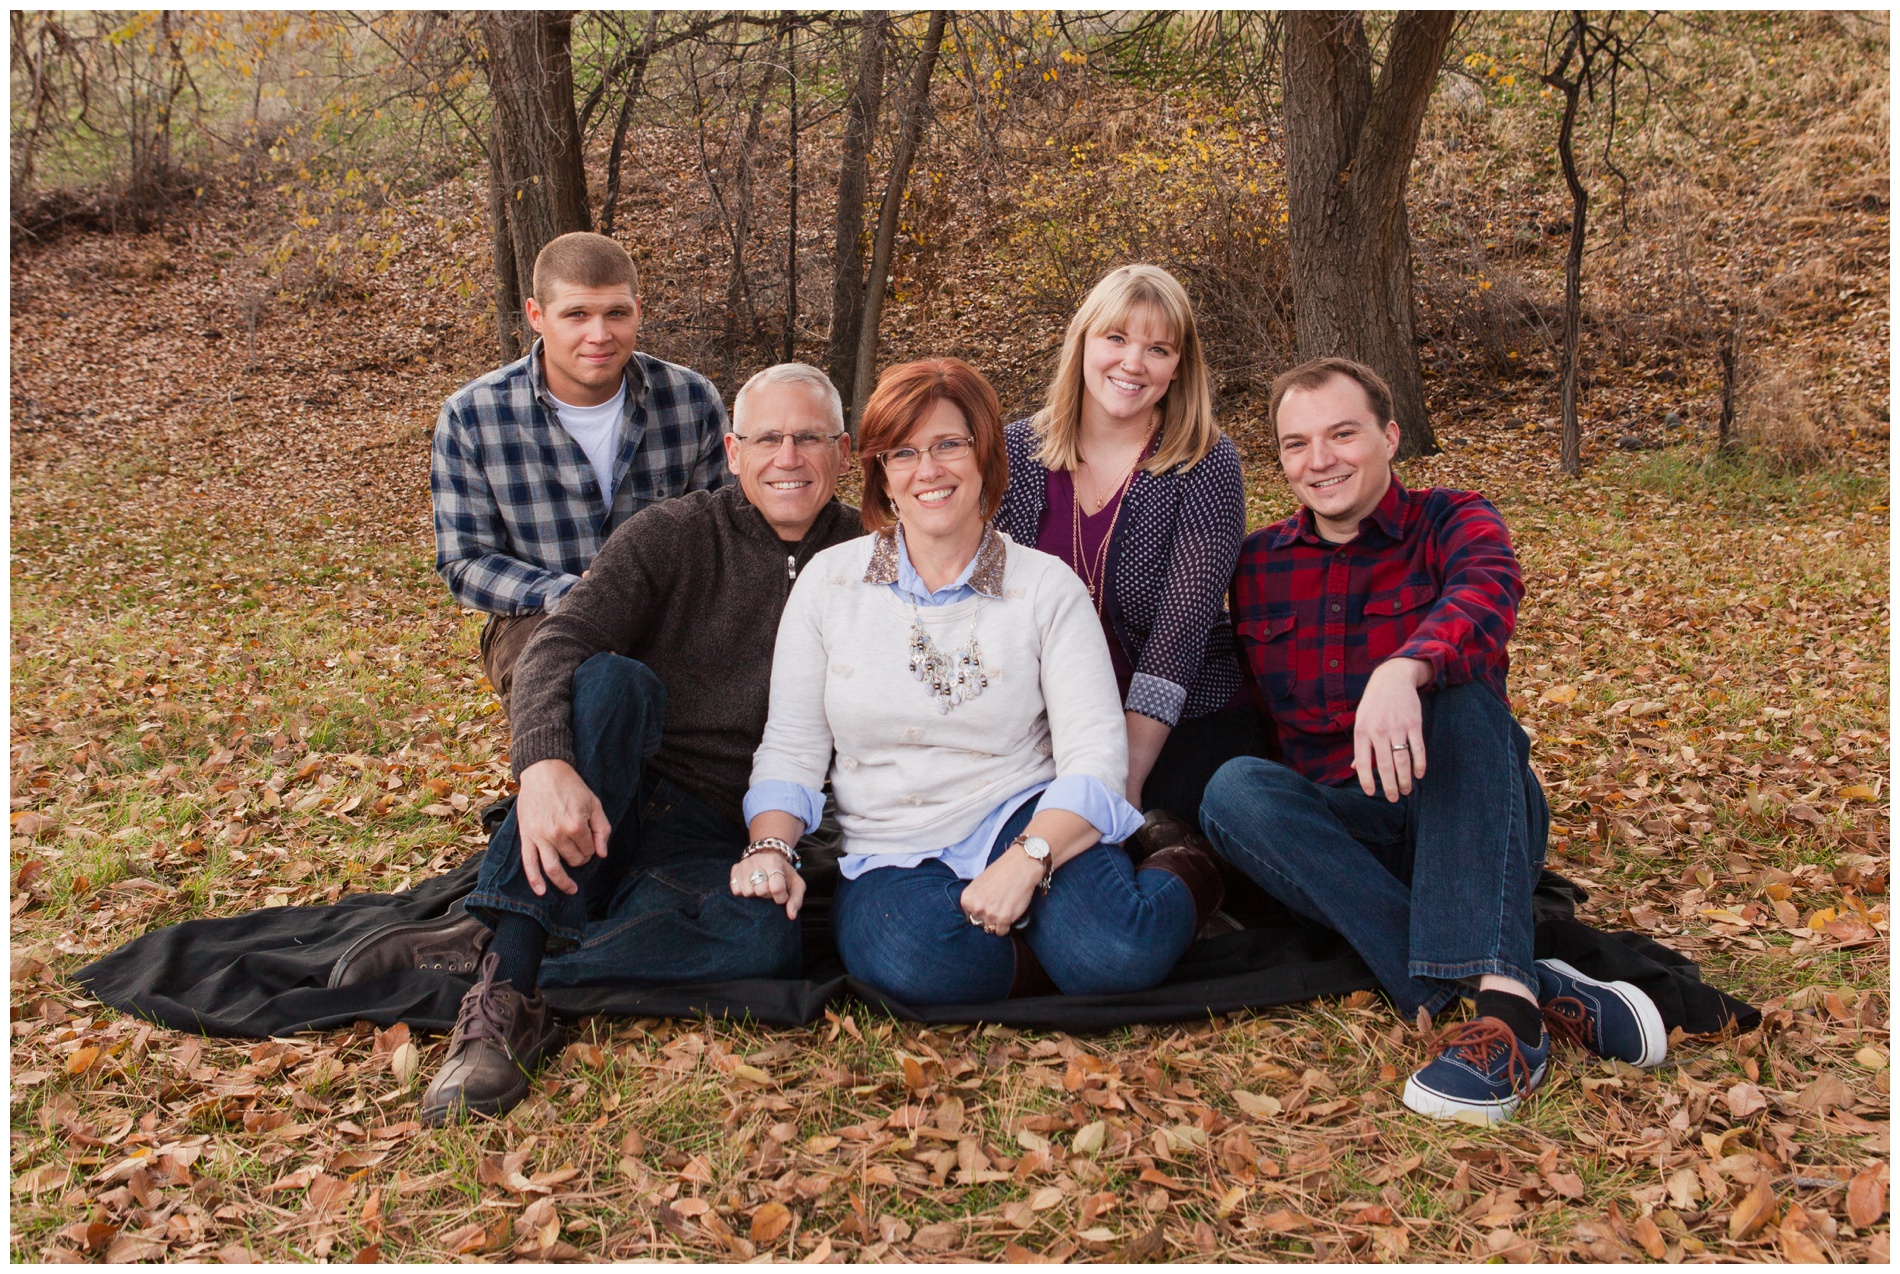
x=1430 y=576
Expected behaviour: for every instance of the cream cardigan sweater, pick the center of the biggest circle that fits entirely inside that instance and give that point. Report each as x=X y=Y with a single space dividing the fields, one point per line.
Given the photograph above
x=907 y=777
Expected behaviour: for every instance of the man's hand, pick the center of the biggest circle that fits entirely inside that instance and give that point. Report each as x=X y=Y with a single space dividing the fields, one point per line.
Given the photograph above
x=781 y=883
x=1388 y=737
x=997 y=899
x=560 y=821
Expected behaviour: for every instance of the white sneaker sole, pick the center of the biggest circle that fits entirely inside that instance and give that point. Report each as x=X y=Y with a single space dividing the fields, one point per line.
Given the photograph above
x=1424 y=1101
x=1649 y=1021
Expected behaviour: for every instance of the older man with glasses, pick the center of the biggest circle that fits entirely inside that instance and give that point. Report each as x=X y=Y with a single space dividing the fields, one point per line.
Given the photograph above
x=636 y=709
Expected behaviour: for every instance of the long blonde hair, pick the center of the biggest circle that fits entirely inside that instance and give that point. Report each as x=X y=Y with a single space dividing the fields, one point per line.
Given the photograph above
x=1188 y=431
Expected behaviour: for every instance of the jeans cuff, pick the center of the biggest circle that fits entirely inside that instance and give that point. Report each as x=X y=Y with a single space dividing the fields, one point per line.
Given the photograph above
x=1472 y=970
x=489 y=902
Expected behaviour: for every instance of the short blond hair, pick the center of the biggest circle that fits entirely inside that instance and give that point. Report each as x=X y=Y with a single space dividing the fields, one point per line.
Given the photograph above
x=582 y=260
x=1188 y=431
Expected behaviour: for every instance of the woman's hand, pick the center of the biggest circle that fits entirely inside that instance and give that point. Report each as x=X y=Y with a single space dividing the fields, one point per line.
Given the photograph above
x=767 y=874
x=997 y=899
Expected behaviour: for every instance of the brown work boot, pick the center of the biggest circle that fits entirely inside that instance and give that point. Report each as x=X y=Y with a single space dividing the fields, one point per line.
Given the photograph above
x=451 y=943
x=500 y=1037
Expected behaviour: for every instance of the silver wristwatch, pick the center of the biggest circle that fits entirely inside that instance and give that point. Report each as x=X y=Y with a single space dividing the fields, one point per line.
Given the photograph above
x=1038 y=850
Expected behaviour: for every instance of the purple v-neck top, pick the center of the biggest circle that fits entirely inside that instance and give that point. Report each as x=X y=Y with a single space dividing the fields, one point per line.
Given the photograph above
x=1055 y=535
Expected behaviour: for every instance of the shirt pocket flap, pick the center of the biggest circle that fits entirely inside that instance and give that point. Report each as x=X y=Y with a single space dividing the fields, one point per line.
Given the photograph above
x=1400 y=600
x=1265 y=628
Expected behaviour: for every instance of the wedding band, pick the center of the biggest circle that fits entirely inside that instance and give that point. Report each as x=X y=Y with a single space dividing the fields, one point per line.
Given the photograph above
x=976 y=922
x=757 y=878
x=1401 y=747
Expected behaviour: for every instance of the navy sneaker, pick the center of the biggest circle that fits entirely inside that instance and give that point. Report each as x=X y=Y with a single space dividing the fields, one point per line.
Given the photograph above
x=1610 y=1019
x=1481 y=1074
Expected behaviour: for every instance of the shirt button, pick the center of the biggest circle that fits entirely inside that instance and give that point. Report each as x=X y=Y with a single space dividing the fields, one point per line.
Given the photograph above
x=1332 y=663
x=1335 y=605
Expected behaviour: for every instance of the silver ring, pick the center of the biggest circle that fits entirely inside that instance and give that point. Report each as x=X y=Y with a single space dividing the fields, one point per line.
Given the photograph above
x=775 y=872
x=1401 y=747
x=976 y=922
x=757 y=878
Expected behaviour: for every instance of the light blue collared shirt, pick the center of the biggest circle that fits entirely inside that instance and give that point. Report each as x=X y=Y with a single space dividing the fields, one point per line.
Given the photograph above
x=1081 y=794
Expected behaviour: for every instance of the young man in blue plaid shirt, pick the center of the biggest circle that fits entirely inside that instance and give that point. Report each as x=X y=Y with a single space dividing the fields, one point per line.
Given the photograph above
x=535 y=464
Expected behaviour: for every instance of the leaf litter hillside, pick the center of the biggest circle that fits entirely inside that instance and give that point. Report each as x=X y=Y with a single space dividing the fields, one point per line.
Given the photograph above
x=236 y=683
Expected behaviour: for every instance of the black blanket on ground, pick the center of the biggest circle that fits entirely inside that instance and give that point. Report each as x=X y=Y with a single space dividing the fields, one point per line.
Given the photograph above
x=264 y=972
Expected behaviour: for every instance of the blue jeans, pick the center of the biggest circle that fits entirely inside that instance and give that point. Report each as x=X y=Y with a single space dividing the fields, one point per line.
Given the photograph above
x=1433 y=890
x=658 y=909
x=1103 y=928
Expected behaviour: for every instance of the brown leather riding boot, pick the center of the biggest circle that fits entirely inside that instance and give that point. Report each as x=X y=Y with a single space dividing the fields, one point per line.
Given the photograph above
x=500 y=1037
x=1159 y=829
x=1196 y=863
x=1031 y=978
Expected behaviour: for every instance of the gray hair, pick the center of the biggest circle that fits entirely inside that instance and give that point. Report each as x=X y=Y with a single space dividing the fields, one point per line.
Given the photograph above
x=791 y=374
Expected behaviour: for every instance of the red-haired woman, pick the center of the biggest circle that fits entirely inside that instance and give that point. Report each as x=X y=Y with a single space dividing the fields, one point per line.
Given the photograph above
x=956 y=689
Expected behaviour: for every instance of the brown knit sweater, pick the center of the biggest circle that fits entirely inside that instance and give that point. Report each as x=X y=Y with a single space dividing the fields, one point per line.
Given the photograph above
x=692 y=588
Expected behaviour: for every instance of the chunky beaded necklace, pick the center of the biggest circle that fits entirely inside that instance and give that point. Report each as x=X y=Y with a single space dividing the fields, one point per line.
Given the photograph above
x=953 y=677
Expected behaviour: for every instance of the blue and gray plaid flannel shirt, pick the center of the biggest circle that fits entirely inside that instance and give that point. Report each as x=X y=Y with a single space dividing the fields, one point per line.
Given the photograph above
x=518 y=510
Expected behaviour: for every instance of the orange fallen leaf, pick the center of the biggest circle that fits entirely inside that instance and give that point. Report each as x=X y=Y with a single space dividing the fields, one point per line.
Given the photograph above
x=81 y=1061
x=1866 y=1198
x=1754 y=1209
x=769 y=1222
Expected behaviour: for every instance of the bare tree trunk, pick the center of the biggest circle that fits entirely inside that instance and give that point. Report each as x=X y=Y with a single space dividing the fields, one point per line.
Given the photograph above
x=790 y=341
x=847 y=280
x=510 y=323
x=1570 y=450
x=636 y=75
x=1349 y=155
x=1729 y=352
x=535 y=150
x=916 y=114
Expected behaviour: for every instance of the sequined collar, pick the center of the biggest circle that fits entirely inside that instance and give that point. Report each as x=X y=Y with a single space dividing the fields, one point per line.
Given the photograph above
x=986 y=579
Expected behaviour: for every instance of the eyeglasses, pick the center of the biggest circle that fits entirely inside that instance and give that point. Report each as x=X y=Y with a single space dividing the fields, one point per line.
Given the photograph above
x=946 y=450
x=766 y=444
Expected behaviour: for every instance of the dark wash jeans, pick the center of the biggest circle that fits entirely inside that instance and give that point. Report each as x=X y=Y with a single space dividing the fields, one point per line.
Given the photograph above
x=1102 y=928
x=1433 y=890
x=659 y=908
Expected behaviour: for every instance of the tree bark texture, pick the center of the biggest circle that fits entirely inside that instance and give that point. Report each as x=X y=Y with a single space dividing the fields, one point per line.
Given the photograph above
x=1349 y=142
x=1570 y=451
x=916 y=113
x=847 y=279
x=535 y=146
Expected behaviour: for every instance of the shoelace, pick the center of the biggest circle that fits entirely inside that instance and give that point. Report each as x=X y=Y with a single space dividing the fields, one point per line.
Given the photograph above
x=1483 y=1041
x=1566 y=1018
x=481 y=1016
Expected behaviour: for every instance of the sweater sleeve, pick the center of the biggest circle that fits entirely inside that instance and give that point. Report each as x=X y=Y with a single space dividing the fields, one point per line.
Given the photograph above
x=797 y=744
x=1079 y=694
x=1200 y=562
x=610 y=610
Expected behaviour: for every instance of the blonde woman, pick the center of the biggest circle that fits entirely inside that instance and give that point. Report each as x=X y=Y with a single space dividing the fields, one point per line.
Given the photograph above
x=1124 y=475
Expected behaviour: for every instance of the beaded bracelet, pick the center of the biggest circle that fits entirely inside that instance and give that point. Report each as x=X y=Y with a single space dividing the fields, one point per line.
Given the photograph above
x=774 y=845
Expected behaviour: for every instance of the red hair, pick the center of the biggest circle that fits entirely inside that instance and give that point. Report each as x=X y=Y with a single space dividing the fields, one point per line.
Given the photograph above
x=904 y=395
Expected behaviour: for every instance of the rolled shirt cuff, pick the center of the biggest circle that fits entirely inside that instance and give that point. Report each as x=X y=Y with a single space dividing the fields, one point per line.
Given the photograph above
x=1153 y=697
x=787 y=797
x=1088 y=797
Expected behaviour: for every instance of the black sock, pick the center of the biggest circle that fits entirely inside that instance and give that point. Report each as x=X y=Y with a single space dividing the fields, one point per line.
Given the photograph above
x=1524 y=1018
x=519 y=943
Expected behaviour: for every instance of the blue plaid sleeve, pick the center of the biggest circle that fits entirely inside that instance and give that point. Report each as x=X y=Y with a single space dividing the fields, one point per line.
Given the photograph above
x=710 y=471
x=470 y=536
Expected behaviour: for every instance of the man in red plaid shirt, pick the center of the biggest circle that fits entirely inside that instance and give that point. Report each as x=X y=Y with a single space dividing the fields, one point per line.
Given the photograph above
x=1404 y=813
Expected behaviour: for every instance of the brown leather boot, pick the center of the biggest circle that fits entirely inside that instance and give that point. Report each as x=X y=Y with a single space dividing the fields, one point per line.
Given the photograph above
x=1196 y=863
x=1159 y=829
x=500 y=1037
x=450 y=943
x=1031 y=978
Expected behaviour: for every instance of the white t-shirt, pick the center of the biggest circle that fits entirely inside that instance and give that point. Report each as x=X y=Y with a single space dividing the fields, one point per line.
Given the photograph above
x=597 y=430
